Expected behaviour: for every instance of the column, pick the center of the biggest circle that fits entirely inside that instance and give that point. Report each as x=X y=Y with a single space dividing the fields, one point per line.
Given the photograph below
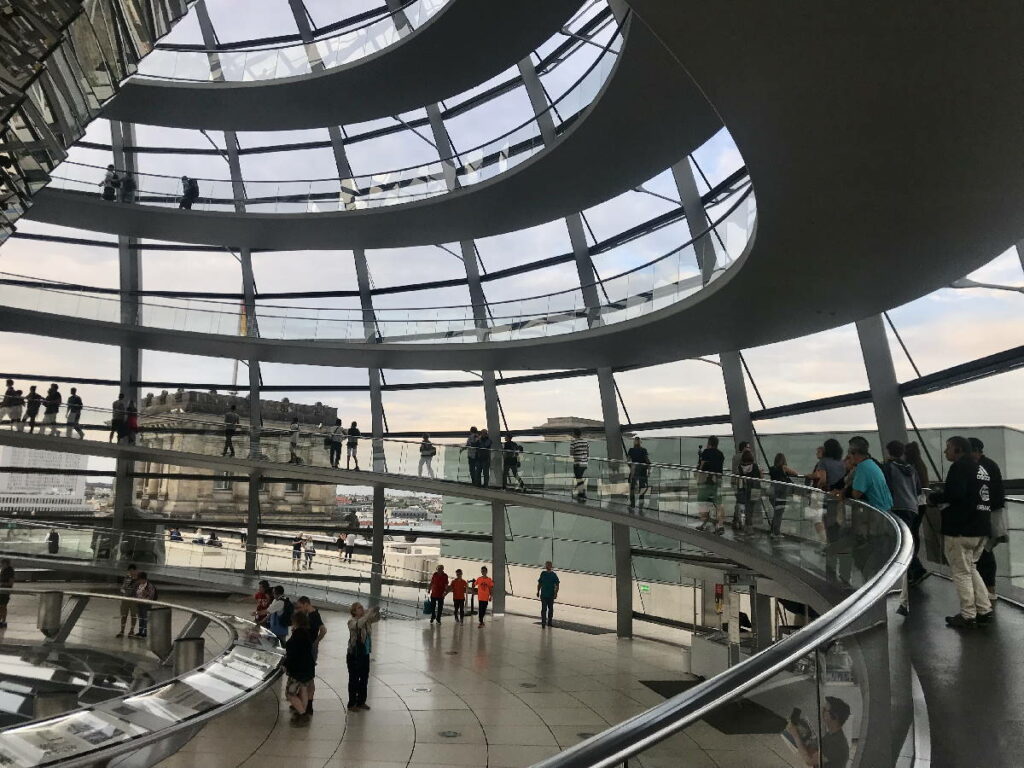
x=122 y=137
x=345 y=198
x=885 y=390
x=605 y=378
x=704 y=248
x=248 y=289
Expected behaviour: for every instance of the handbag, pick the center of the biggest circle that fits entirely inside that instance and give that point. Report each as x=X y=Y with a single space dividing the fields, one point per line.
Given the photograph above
x=428 y=607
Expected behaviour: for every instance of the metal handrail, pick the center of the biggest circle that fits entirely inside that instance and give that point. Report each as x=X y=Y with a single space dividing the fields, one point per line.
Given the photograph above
x=103 y=754
x=622 y=741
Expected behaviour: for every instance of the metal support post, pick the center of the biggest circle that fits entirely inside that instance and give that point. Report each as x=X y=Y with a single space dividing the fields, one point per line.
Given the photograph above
x=736 y=396
x=158 y=631
x=707 y=258
x=252 y=524
x=48 y=619
x=122 y=136
x=763 y=619
x=187 y=654
x=605 y=379
x=696 y=217
x=885 y=390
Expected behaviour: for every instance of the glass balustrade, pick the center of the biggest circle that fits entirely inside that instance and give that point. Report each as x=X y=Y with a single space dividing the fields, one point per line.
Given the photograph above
x=324 y=576
x=76 y=691
x=832 y=669
x=654 y=285
x=244 y=65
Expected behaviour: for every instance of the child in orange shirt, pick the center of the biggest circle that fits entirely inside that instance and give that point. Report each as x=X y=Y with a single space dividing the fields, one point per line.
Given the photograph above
x=457 y=589
x=484 y=585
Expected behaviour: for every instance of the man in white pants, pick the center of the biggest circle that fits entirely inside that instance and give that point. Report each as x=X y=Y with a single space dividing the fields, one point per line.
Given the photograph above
x=965 y=526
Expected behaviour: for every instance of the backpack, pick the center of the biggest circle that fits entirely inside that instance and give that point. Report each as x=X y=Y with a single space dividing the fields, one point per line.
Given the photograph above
x=287 y=612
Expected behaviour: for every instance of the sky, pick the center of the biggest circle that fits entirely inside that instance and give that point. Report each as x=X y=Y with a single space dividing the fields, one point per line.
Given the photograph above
x=941 y=329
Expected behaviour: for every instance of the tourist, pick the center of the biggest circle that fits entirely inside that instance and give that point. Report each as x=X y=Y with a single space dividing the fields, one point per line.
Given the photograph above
x=117 y=418
x=262 y=598
x=997 y=503
x=144 y=590
x=912 y=454
x=427 y=453
x=297 y=541
x=511 y=452
x=483 y=458
x=868 y=482
x=214 y=540
x=352 y=446
x=317 y=628
x=457 y=589
x=7 y=402
x=639 y=471
x=300 y=665
x=189 y=193
x=547 y=591
x=438 y=586
x=111 y=182
x=53 y=542
x=129 y=608
x=780 y=473
x=966 y=525
x=51 y=407
x=472 y=448
x=734 y=479
x=131 y=422
x=484 y=586
x=230 y=427
x=293 y=442
x=339 y=542
x=832 y=750
x=350 y=545
x=579 y=450
x=357 y=658
x=317 y=631
x=334 y=439
x=6 y=583
x=309 y=552
x=74 y=414
x=279 y=613
x=32 y=402
x=748 y=473
x=175 y=534
x=904 y=487
x=710 y=465
x=128 y=188
x=15 y=410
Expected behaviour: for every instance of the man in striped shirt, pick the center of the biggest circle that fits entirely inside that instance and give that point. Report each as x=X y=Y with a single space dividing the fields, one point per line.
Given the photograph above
x=579 y=449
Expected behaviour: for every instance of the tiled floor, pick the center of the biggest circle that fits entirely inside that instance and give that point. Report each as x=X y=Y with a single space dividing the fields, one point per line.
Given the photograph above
x=504 y=696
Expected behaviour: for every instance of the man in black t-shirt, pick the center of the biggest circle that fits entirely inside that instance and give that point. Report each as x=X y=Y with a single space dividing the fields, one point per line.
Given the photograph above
x=639 y=471
x=709 y=477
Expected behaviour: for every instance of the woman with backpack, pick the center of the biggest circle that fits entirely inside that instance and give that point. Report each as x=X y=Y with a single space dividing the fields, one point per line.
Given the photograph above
x=357 y=658
x=144 y=590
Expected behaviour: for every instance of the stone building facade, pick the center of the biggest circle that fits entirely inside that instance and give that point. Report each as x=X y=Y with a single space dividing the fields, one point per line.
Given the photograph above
x=193 y=422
